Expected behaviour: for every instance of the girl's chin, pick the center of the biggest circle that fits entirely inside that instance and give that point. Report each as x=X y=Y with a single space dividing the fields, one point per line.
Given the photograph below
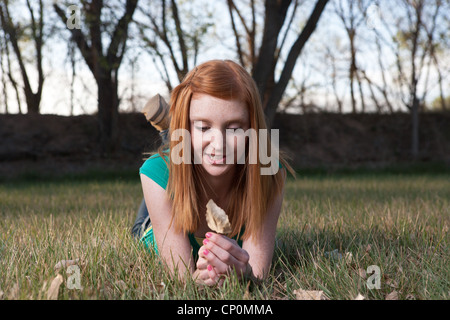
x=215 y=168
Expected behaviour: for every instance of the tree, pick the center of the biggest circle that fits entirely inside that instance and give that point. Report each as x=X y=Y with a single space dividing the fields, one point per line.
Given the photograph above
x=14 y=34
x=104 y=65
x=173 y=34
x=413 y=37
x=263 y=61
x=351 y=18
x=413 y=34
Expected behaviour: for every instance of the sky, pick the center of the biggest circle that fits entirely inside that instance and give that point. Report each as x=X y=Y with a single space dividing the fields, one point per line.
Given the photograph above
x=146 y=82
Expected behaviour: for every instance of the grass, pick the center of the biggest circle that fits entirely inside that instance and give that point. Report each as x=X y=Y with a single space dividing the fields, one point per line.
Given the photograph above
x=396 y=222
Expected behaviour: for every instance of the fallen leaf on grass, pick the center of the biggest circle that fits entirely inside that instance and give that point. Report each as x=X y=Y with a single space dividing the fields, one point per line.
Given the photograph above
x=310 y=295
x=392 y=296
x=14 y=293
x=359 y=297
x=392 y=283
x=348 y=257
x=52 y=293
x=66 y=263
x=362 y=273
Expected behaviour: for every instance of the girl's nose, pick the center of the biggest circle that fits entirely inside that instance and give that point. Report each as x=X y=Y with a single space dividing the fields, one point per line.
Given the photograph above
x=217 y=143
x=217 y=140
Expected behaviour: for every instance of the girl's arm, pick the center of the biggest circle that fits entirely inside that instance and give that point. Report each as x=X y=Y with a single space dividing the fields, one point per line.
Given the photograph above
x=260 y=249
x=173 y=247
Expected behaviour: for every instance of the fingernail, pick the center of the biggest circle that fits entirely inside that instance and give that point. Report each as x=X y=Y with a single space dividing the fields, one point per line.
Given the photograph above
x=205 y=241
x=208 y=235
x=209 y=267
x=205 y=252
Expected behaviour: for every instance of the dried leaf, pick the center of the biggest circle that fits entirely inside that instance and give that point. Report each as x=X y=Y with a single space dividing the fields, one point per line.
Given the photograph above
x=14 y=292
x=52 y=293
x=391 y=283
x=348 y=257
x=216 y=218
x=359 y=297
x=310 y=295
x=66 y=263
x=392 y=296
x=362 y=273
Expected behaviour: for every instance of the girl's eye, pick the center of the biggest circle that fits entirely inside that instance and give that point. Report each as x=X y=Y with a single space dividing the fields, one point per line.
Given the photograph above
x=234 y=129
x=203 y=129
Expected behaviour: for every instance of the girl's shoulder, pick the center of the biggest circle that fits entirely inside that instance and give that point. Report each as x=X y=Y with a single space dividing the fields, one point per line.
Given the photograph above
x=156 y=169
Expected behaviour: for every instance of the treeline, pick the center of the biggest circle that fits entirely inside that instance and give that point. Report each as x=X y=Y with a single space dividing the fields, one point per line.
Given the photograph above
x=305 y=56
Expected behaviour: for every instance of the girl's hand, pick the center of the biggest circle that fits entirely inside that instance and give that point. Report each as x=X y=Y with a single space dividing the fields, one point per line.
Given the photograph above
x=224 y=255
x=205 y=273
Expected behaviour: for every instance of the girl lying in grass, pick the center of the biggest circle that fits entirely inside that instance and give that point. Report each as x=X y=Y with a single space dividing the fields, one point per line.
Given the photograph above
x=217 y=135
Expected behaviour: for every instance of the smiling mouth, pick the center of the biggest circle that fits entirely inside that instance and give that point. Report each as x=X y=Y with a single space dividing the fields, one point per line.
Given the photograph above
x=214 y=159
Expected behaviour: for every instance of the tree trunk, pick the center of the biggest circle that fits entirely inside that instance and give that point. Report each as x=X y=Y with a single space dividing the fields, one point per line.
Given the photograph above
x=352 y=70
x=274 y=99
x=104 y=67
x=415 y=129
x=108 y=111
x=33 y=99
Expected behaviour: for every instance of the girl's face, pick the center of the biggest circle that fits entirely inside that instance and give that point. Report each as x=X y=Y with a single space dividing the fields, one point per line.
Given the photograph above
x=211 y=122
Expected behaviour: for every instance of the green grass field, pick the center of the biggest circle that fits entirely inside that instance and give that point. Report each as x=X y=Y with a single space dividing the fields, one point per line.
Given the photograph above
x=332 y=229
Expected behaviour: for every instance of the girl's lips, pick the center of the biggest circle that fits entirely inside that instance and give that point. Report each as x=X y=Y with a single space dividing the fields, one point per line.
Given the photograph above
x=215 y=159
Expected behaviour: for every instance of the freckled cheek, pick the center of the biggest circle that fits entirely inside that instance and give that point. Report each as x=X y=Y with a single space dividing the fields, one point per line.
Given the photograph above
x=197 y=143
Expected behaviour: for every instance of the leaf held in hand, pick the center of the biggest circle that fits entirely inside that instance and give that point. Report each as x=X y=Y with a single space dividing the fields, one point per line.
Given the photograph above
x=216 y=218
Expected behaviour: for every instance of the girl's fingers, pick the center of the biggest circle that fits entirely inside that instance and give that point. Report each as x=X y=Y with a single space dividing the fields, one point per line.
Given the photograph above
x=202 y=263
x=212 y=274
x=207 y=274
x=222 y=258
x=227 y=245
x=207 y=277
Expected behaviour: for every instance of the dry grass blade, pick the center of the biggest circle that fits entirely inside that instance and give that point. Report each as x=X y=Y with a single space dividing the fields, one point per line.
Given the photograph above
x=392 y=296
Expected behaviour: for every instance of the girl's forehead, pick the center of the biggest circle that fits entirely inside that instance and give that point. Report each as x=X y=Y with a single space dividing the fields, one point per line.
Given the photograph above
x=205 y=107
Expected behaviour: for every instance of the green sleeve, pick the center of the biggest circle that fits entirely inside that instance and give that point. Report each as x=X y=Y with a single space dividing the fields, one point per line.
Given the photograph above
x=156 y=169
